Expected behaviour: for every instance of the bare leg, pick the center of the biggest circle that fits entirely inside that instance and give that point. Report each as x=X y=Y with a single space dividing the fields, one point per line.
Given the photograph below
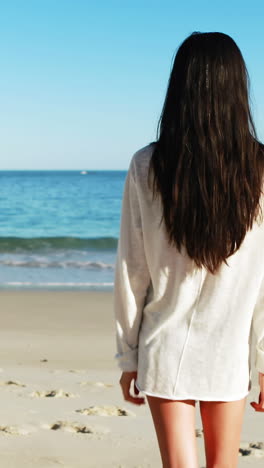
x=222 y=424
x=174 y=422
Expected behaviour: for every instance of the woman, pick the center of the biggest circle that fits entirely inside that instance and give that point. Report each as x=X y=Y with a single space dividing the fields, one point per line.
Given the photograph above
x=189 y=285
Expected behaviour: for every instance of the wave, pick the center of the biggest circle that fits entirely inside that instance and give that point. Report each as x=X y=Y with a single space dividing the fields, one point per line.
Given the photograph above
x=56 y=264
x=12 y=244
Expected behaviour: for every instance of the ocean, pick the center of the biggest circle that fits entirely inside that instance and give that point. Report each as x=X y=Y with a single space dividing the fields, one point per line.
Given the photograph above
x=59 y=229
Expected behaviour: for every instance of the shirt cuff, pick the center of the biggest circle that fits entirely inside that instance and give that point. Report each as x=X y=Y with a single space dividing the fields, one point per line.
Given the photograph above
x=259 y=363
x=128 y=361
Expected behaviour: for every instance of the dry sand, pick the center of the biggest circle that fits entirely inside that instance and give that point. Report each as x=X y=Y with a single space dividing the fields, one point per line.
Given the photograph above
x=61 y=403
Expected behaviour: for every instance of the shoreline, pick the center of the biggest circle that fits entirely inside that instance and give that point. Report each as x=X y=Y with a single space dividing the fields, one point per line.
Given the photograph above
x=74 y=287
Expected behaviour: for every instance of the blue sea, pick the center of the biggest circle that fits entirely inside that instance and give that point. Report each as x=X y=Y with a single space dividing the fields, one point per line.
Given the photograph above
x=59 y=229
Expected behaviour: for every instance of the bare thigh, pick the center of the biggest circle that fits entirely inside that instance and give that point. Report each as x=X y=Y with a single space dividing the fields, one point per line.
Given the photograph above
x=222 y=425
x=174 y=422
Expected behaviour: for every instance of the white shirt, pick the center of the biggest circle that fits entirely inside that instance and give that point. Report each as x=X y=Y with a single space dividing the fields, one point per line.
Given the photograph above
x=186 y=332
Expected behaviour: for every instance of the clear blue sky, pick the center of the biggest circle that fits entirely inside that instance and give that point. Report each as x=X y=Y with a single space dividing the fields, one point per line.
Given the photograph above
x=82 y=83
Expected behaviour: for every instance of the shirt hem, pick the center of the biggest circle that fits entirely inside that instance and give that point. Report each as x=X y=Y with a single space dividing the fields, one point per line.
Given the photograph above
x=193 y=397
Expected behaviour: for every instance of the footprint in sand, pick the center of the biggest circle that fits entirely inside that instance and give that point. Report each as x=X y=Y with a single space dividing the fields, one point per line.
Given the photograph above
x=252 y=449
x=16 y=430
x=49 y=461
x=52 y=393
x=62 y=371
x=13 y=382
x=75 y=427
x=95 y=384
x=105 y=411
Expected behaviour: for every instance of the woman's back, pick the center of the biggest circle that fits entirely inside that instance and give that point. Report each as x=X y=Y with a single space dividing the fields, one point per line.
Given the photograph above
x=195 y=326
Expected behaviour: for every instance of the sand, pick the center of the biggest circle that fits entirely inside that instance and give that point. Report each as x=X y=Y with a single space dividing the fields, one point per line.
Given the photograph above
x=61 y=403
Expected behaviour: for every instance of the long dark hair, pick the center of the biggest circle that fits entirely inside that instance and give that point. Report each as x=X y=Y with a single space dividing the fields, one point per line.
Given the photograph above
x=207 y=162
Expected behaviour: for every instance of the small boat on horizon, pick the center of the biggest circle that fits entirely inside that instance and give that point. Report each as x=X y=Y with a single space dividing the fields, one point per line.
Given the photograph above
x=83 y=172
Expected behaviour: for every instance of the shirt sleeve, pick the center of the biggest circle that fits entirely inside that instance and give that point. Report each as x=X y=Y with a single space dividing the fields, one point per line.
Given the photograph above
x=258 y=327
x=131 y=278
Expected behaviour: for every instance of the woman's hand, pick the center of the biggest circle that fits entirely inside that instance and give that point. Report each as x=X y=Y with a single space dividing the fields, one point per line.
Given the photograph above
x=125 y=381
x=260 y=405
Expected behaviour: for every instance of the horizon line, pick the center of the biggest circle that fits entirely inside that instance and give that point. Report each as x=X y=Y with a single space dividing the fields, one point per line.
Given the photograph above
x=64 y=170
